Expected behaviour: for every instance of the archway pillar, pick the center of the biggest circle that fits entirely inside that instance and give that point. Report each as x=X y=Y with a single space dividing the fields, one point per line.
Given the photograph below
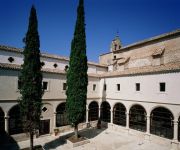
x=6 y=121
x=111 y=116
x=87 y=115
x=147 y=134
x=99 y=115
x=54 y=118
x=127 y=121
x=174 y=142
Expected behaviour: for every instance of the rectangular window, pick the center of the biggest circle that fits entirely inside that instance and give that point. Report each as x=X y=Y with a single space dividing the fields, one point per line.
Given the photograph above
x=64 y=86
x=162 y=87
x=105 y=86
x=94 y=87
x=45 y=85
x=118 y=87
x=137 y=86
x=19 y=84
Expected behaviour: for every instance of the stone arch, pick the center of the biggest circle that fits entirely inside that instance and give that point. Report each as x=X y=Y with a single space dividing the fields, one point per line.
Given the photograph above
x=157 y=106
x=137 y=117
x=105 y=111
x=93 y=111
x=119 y=114
x=161 y=122
x=61 y=115
x=15 y=121
x=2 y=126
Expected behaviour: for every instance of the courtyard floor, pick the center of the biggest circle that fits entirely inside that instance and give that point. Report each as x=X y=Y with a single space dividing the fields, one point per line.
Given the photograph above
x=101 y=139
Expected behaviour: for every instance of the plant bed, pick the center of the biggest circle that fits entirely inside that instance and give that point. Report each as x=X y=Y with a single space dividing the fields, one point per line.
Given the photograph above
x=77 y=142
x=37 y=147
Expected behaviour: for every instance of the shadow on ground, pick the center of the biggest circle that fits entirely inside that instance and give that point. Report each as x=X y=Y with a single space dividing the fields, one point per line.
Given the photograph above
x=88 y=133
x=7 y=142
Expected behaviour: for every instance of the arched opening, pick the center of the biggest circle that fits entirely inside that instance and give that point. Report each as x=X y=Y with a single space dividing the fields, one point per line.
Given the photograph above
x=137 y=118
x=93 y=111
x=119 y=114
x=105 y=112
x=2 y=129
x=61 y=115
x=15 y=121
x=161 y=122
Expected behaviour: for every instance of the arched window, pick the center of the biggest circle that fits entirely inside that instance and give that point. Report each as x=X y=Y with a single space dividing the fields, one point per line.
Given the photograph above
x=137 y=118
x=1 y=121
x=15 y=121
x=105 y=112
x=161 y=122
x=119 y=114
x=93 y=111
x=61 y=116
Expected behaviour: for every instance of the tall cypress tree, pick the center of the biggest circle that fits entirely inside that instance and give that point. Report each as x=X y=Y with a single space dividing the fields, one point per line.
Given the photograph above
x=31 y=79
x=77 y=79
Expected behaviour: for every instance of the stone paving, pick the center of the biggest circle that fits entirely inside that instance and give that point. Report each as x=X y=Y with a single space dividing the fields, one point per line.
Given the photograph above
x=104 y=139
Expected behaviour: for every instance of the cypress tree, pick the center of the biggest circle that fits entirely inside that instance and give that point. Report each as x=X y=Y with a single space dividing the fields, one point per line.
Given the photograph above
x=77 y=79
x=31 y=79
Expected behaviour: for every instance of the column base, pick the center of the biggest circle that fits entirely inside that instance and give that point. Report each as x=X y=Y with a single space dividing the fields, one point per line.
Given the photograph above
x=147 y=136
x=127 y=130
x=110 y=126
x=88 y=125
x=174 y=145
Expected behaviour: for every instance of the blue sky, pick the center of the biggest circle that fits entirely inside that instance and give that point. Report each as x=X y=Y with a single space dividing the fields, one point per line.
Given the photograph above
x=134 y=19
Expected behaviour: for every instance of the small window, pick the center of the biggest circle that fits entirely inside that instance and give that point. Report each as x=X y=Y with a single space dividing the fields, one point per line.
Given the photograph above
x=42 y=63
x=64 y=86
x=66 y=68
x=105 y=86
x=137 y=86
x=162 y=87
x=94 y=87
x=55 y=65
x=115 y=46
x=114 y=56
x=44 y=109
x=118 y=87
x=10 y=59
x=45 y=85
x=19 y=84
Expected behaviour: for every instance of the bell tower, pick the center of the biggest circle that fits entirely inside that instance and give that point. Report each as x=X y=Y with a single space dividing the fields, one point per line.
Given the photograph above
x=116 y=44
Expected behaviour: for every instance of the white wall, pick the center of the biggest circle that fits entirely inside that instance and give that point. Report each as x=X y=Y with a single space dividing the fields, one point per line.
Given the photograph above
x=149 y=88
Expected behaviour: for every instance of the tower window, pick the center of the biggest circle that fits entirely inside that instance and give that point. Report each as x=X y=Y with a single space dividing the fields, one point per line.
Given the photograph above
x=11 y=59
x=114 y=56
x=137 y=86
x=162 y=87
x=115 y=46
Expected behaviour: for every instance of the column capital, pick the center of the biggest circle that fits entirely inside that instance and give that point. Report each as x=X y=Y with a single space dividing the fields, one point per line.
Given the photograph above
x=148 y=116
x=6 y=117
x=87 y=109
x=127 y=113
x=175 y=122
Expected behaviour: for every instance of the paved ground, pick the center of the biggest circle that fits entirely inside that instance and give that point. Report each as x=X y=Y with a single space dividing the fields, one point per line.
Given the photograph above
x=103 y=139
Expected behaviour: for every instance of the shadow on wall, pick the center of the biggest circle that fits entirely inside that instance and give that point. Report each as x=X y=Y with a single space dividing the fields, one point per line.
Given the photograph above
x=88 y=133
x=7 y=142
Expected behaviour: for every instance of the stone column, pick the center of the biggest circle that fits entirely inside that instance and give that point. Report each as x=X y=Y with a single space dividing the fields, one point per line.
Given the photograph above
x=87 y=116
x=174 y=142
x=99 y=112
x=111 y=116
x=147 y=134
x=54 y=117
x=127 y=120
x=6 y=121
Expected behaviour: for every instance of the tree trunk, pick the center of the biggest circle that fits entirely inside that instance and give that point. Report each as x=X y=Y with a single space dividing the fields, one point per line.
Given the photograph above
x=76 y=131
x=31 y=140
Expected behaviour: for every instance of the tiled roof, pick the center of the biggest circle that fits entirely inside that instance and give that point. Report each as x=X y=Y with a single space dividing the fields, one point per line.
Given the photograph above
x=127 y=72
x=145 y=70
x=47 y=70
x=19 y=50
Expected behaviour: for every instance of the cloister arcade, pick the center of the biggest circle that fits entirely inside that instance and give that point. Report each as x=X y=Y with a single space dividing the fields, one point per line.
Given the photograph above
x=158 y=121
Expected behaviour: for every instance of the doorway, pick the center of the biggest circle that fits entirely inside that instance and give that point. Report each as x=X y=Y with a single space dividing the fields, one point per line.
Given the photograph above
x=44 y=127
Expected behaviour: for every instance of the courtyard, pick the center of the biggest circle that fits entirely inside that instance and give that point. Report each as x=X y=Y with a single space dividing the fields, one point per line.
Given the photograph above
x=102 y=139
